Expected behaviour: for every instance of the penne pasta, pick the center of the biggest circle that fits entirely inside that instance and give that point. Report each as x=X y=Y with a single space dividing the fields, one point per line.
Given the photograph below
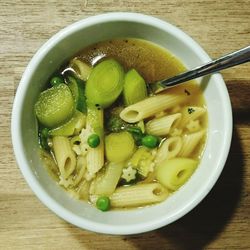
x=65 y=157
x=138 y=195
x=162 y=126
x=95 y=160
x=150 y=106
x=83 y=190
x=193 y=126
x=191 y=113
x=95 y=156
x=169 y=149
x=81 y=166
x=105 y=184
x=190 y=142
x=173 y=173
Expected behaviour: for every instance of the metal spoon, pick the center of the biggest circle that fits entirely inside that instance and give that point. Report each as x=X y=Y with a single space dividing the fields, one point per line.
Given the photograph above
x=224 y=62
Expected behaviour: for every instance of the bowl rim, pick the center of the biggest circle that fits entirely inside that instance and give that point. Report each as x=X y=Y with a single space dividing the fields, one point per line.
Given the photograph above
x=16 y=135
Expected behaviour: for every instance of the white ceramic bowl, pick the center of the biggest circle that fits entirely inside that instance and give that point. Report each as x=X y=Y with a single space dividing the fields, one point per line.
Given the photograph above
x=24 y=129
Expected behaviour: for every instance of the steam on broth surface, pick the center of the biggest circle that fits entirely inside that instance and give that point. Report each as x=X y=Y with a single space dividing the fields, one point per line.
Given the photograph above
x=107 y=139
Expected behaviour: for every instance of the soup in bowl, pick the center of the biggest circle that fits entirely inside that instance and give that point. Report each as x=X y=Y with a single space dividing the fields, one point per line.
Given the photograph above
x=90 y=136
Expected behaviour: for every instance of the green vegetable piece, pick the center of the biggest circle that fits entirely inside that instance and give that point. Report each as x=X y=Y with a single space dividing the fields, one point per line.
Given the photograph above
x=134 y=89
x=114 y=121
x=135 y=130
x=119 y=146
x=81 y=69
x=103 y=203
x=77 y=88
x=115 y=124
x=150 y=141
x=95 y=120
x=137 y=134
x=175 y=172
x=56 y=80
x=43 y=138
x=93 y=140
x=105 y=83
x=55 y=106
x=74 y=125
x=142 y=160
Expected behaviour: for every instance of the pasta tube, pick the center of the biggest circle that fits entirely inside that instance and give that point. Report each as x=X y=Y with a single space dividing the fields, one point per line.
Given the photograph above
x=175 y=172
x=83 y=190
x=80 y=170
x=106 y=183
x=193 y=126
x=65 y=157
x=150 y=106
x=138 y=195
x=162 y=126
x=191 y=113
x=169 y=149
x=189 y=143
x=95 y=156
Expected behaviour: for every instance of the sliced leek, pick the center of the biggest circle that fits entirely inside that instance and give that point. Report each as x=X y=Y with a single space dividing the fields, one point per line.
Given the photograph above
x=134 y=88
x=105 y=83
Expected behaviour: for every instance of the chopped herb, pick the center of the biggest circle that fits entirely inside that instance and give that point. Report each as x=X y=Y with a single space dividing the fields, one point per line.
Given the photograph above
x=137 y=134
x=187 y=92
x=190 y=110
x=43 y=135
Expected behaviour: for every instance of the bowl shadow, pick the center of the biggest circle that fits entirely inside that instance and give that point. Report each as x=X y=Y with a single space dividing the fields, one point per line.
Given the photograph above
x=204 y=223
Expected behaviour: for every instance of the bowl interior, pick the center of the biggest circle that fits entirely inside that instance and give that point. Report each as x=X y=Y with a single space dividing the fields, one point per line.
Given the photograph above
x=24 y=129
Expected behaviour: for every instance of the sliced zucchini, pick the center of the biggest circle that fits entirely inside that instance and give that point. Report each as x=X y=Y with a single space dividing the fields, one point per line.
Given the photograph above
x=135 y=88
x=119 y=146
x=105 y=83
x=55 y=106
x=77 y=88
x=69 y=128
x=81 y=69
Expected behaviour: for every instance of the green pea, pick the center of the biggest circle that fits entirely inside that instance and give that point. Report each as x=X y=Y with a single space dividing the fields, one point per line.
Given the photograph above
x=56 y=80
x=93 y=140
x=150 y=141
x=103 y=203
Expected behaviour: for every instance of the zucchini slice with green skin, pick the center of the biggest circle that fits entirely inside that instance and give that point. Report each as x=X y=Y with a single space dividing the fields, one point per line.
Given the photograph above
x=105 y=83
x=81 y=69
x=135 y=88
x=119 y=146
x=77 y=88
x=69 y=128
x=55 y=106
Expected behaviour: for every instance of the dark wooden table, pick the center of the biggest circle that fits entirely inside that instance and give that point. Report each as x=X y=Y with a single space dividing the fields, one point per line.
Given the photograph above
x=221 y=221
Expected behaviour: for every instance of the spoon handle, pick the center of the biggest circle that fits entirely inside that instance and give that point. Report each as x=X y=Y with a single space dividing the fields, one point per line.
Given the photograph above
x=227 y=61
